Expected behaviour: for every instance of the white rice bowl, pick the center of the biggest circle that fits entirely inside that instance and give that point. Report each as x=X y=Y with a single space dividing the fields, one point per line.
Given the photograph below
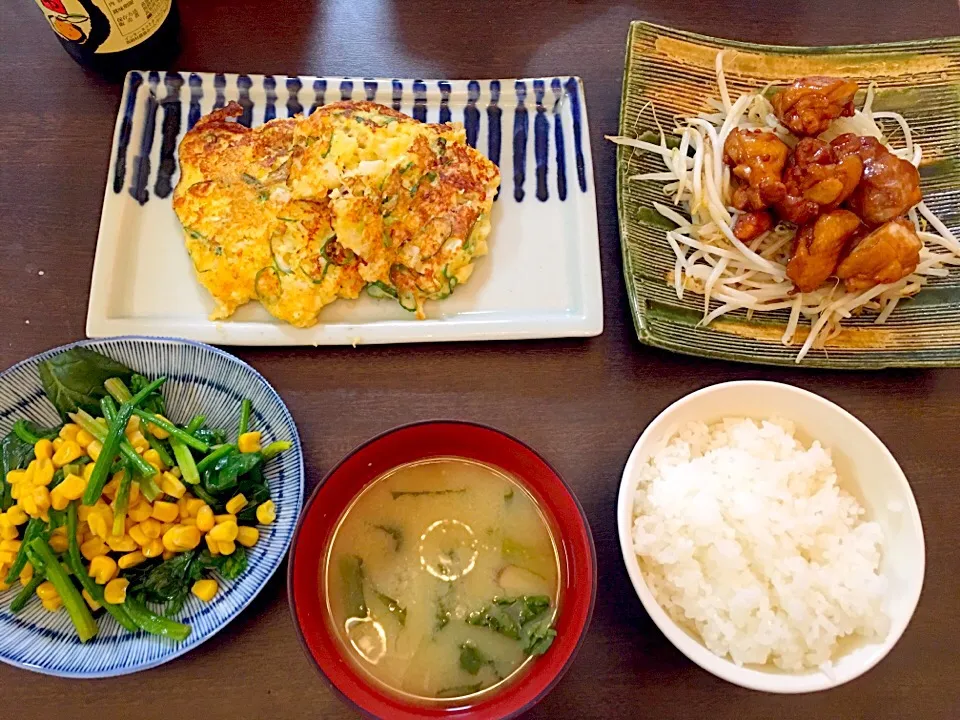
x=864 y=467
x=746 y=539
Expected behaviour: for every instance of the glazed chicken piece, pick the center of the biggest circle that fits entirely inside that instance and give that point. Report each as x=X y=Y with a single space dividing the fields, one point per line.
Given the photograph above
x=810 y=104
x=751 y=225
x=817 y=180
x=818 y=248
x=889 y=185
x=889 y=253
x=757 y=158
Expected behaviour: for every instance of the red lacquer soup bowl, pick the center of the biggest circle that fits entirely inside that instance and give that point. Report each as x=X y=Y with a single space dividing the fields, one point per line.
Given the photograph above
x=578 y=566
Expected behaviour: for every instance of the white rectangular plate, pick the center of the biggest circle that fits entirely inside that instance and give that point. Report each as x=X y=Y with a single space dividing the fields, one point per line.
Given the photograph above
x=541 y=278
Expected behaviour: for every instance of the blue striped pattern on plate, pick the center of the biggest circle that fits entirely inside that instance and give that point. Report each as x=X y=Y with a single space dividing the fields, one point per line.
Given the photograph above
x=200 y=379
x=529 y=111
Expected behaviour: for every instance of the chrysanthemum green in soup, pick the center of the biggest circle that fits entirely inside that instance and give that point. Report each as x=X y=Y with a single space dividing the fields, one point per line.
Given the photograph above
x=442 y=579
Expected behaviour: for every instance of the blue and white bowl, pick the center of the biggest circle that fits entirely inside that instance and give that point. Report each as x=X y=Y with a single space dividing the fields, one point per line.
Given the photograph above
x=200 y=379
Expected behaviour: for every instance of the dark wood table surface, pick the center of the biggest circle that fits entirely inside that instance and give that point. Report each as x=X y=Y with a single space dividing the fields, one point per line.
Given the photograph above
x=580 y=403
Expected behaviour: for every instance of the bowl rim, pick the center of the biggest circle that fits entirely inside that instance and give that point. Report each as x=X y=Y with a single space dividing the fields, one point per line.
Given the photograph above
x=179 y=649
x=452 y=711
x=722 y=667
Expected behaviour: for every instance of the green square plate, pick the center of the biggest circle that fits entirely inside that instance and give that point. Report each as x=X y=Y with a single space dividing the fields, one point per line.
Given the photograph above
x=674 y=70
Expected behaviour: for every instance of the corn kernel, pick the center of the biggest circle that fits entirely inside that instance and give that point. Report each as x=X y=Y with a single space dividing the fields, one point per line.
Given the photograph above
x=69 y=431
x=140 y=512
x=6 y=557
x=212 y=545
x=11 y=545
x=152 y=549
x=139 y=442
x=266 y=513
x=188 y=522
x=15 y=477
x=133 y=425
x=94 y=605
x=72 y=487
x=52 y=605
x=94 y=449
x=165 y=511
x=180 y=538
x=111 y=488
x=131 y=559
x=153 y=457
x=116 y=591
x=43 y=448
x=236 y=503
x=103 y=569
x=205 y=589
x=9 y=533
x=151 y=527
x=99 y=525
x=249 y=442
x=59 y=543
x=93 y=548
x=26 y=575
x=205 y=520
x=194 y=505
x=46 y=591
x=43 y=471
x=29 y=505
x=226 y=517
x=157 y=432
x=88 y=471
x=84 y=438
x=224 y=532
x=67 y=453
x=247 y=536
x=57 y=500
x=136 y=532
x=134 y=497
x=16 y=516
x=167 y=554
x=41 y=498
x=227 y=547
x=172 y=486
x=3 y=585
x=122 y=543
x=165 y=526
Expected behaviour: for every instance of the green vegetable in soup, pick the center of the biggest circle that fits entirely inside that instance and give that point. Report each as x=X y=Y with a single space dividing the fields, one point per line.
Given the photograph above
x=472 y=659
x=395 y=533
x=351 y=571
x=393 y=607
x=459 y=690
x=520 y=618
x=419 y=493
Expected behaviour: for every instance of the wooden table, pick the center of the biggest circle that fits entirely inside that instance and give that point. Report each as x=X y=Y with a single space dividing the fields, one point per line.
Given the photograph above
x=581 y=403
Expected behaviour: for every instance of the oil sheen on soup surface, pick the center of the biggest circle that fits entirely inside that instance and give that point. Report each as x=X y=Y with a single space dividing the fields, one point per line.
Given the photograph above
x=442 y=579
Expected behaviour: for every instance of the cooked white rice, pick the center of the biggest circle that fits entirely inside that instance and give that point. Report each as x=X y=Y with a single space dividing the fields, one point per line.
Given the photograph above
x=745 y=538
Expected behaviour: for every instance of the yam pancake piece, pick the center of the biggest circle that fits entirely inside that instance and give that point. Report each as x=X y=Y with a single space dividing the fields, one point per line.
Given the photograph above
x=411 y=200
x=246 y=237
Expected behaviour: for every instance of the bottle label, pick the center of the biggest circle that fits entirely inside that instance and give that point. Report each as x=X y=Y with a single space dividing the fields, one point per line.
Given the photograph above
x=105 y=26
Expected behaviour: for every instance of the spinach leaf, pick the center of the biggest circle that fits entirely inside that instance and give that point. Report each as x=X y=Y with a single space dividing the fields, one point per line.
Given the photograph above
x=223 y=476
x=74 y=379
x=211 y=436
x=168 y=582
x=15 y=454
x=154 y=402
x=30 y=432
x=230 y=567
x=519 y=618
x=472 y=658
x=538 y=636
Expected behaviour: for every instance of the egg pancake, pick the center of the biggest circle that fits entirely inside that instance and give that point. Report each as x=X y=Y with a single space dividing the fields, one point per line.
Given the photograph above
x=305 y=210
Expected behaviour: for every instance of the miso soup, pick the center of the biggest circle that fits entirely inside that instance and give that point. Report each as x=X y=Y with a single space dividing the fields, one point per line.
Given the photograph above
x=442 y=579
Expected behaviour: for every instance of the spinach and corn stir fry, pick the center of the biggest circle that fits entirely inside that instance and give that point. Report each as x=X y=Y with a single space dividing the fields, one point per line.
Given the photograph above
x=120 y=508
